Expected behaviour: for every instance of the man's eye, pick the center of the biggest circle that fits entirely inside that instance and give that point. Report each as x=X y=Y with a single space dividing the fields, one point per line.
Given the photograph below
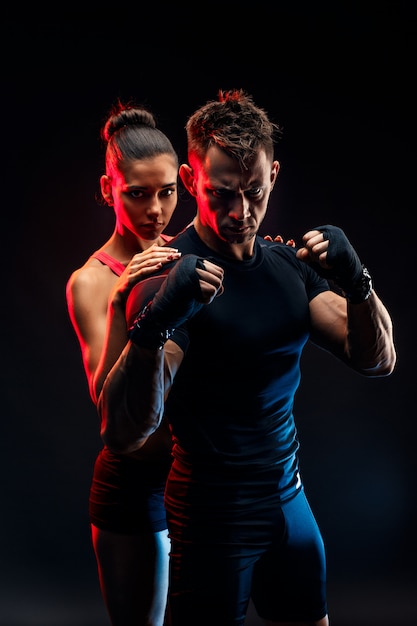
x=222 y=193
x=254 y=192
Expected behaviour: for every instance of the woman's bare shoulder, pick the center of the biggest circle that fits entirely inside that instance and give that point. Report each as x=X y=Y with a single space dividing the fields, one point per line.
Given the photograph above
x=93 y=277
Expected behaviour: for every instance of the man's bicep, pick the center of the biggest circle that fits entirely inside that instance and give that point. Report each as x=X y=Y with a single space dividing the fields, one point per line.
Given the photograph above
x=328 y=313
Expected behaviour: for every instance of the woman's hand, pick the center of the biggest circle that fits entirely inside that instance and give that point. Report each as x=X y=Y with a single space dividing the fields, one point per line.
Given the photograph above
x=142 y=265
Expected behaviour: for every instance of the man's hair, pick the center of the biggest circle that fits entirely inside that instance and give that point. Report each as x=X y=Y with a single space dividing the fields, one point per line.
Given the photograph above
x=235 y=124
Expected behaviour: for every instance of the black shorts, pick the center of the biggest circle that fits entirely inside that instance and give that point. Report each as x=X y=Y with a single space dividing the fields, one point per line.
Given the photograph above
x=127 y=494
x=276 y=558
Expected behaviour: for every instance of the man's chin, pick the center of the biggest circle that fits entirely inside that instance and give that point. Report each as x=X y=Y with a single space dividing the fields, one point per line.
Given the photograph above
x=244 y=238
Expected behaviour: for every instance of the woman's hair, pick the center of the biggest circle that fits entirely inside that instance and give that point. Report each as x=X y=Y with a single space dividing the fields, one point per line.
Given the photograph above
x=234 y=123
x=130 y=134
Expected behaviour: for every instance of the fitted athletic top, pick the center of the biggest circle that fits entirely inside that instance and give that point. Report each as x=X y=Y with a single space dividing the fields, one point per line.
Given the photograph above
x=115 y=265
x=231 y=404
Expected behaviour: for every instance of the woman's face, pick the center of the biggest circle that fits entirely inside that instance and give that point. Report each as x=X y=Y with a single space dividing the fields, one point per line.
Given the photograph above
x=144 y=194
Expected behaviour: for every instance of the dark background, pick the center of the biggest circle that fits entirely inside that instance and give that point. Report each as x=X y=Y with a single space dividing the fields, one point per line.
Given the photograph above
x=341 y=82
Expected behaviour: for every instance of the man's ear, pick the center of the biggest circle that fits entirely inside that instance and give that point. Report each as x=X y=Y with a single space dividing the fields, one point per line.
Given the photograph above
x=274 y=172
x=187 y=177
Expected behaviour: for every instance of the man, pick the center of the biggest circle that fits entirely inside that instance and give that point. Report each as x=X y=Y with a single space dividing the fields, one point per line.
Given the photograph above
x=221 y=341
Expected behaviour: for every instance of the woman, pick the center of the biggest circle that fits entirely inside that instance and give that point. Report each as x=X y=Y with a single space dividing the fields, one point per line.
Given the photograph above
x=127 y=515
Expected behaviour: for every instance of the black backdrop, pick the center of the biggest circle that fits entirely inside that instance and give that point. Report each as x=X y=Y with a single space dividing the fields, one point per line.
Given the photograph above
x=341 y=83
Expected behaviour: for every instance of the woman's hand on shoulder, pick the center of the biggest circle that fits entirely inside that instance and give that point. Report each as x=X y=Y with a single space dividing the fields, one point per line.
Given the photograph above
x=142 y=265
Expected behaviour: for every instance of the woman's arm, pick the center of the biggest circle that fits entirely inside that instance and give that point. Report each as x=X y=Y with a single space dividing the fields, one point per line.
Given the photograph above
x=87 y=301
x=96 y=300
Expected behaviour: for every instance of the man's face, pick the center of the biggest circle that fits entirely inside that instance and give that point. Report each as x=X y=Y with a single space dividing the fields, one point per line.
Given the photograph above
x=232 y=202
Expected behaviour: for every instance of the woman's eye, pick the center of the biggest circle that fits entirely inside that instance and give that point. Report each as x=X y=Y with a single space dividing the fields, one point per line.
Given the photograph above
x=136 y=193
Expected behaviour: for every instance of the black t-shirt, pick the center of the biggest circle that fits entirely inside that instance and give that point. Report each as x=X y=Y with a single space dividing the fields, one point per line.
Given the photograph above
x=231 y=402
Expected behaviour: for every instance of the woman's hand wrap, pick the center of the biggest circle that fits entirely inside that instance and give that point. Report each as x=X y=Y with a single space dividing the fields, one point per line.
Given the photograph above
x=346 y=269
x=176 y=301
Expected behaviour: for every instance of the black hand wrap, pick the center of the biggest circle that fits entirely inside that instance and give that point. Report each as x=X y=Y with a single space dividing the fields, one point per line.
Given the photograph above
x=346 y=270
x=176 y=301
